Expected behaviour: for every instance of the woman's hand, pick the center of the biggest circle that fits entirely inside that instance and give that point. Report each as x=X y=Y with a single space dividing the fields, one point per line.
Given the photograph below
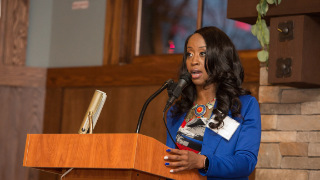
x=184 y=160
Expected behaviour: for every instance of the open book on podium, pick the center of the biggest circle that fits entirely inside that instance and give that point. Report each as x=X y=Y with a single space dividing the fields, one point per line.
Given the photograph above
x=100 y=156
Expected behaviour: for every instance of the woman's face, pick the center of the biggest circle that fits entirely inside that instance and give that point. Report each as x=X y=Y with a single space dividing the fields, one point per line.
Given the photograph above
x=196 y=54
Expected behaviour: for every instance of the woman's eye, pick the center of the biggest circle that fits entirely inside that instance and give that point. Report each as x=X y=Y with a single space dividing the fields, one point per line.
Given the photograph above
x=203 y=54
x=189 y=55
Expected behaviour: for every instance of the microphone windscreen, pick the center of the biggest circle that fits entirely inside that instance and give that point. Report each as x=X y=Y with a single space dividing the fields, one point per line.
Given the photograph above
x=186 y=76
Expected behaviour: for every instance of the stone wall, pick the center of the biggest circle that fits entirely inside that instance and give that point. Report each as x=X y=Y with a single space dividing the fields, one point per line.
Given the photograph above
x=290 y=141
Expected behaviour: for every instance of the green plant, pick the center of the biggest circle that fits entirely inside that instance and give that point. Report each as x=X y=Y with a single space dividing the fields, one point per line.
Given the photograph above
x=260 y=29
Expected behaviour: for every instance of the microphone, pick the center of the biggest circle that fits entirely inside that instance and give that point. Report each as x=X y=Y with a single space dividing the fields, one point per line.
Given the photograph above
x=167 y=84
x=184 y=81
x=175 y=91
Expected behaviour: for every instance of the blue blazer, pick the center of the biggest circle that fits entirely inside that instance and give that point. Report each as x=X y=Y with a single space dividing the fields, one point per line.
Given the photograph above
x=233 y=159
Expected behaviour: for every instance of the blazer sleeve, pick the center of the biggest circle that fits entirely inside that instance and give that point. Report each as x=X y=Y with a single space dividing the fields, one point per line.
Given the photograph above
x=243 y=162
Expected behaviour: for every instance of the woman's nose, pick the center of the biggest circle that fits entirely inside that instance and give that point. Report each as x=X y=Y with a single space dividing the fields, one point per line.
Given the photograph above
x=195 y=61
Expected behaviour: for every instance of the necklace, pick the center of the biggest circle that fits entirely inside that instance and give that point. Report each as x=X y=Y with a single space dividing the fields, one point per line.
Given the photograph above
x=200 y=110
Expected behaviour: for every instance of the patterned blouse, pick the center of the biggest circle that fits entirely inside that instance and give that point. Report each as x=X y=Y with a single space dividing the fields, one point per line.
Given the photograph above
x=190 y=134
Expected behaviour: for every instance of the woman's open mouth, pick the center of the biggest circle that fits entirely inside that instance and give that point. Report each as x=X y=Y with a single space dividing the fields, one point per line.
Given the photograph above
x=195 y=73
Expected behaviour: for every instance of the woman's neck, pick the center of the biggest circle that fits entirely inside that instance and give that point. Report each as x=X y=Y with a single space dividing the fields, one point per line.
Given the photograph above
x=204 y=95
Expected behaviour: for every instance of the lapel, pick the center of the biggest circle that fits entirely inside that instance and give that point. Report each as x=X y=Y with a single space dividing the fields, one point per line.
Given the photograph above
x=211 y=140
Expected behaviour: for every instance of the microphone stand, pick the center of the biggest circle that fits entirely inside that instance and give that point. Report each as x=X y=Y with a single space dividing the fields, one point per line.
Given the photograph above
x=168 y=83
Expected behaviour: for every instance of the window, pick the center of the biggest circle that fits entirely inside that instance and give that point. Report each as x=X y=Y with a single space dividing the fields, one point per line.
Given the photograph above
x=151 y=27
x=165 y=25
x=215 y=14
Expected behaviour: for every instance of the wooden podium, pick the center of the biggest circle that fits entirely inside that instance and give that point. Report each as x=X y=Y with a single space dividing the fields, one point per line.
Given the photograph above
x=101 y=156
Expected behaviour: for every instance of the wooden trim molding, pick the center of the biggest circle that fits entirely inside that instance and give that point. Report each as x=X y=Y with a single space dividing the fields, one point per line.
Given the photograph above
x=200 y=14
x=113 y=75
x=144 y=70
x=120 y=31
x=13 y=32
x=3 y=21
x=23 y=76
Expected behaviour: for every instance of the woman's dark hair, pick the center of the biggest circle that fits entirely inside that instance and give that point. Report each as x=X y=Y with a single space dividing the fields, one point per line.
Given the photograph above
x=224 y=69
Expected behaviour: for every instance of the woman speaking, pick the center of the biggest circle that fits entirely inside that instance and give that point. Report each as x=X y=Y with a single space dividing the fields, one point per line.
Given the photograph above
x=216 y=124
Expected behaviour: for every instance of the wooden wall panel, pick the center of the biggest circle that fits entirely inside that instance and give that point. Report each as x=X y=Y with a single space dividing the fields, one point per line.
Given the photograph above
x=120 y=113
x=53 y=111
x=113 y=75
x=253 y=87
x=251 y=65
x=121 y=110
x=23 y=76
x=14 y=30
x=21 y=110
x=145 y=70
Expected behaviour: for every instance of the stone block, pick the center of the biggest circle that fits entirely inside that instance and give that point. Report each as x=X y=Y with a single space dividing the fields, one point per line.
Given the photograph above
x=294 y=149
x=300 y=163
x=287 y=87
x=269 y=94
x=310 y=107
x=264 y=77
x=280 y=109
x=269 y=122
x=281 y=174
x=314 y=149
x=302 y=136
x=300 y=95
x=308 y=136
x=314 y=175
x=269 y=156
x=278 y=136
x=298 y=122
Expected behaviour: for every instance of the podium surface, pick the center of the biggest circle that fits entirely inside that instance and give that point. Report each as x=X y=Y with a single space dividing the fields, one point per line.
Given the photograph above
x=101 y=156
